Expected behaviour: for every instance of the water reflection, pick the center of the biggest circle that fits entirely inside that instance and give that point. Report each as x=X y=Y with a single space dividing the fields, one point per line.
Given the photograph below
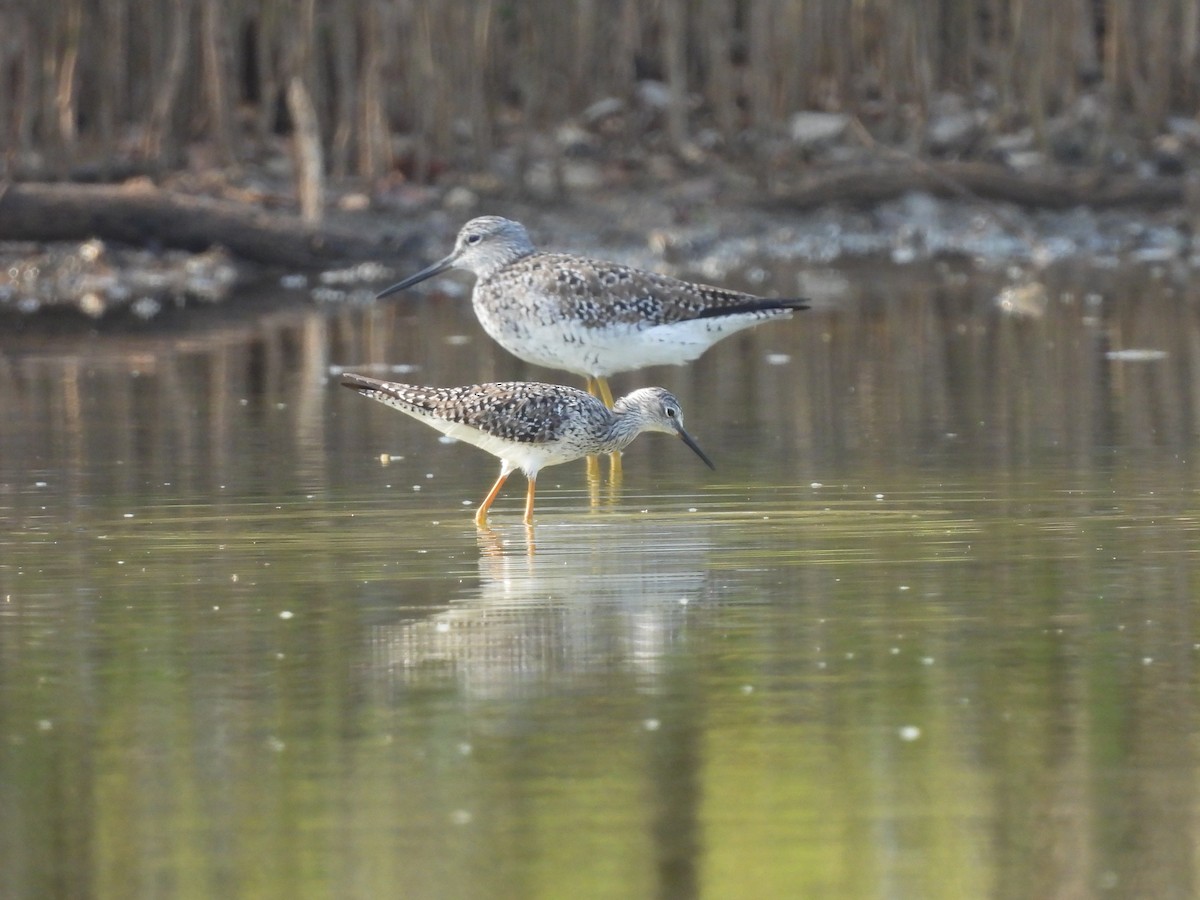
x=556 y=603
x=938 y=640
x=890 y=376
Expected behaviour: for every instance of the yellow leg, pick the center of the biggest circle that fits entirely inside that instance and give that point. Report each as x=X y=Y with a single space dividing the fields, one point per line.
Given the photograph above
x=604 y=392
x=614 y=467
x=593 y=480
x=481 y=513
x=598 y=387
x=593 y=461
x=529 y=501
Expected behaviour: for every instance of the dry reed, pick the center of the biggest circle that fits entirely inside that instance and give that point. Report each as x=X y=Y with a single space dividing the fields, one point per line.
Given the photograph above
x=141 y=80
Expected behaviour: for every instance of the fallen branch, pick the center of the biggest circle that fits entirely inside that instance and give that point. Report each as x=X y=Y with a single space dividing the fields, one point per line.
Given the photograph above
x=141 y=214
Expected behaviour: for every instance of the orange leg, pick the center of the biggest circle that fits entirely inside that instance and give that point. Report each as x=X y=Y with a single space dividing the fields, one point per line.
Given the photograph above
x=529 y=501
x=481 y=513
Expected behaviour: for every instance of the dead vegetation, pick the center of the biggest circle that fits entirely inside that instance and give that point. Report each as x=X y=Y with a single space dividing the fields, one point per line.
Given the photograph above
x=421 y=86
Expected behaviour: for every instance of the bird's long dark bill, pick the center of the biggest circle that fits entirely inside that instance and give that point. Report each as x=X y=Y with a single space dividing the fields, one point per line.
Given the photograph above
x=362 y=383
x=687 y=439
x=408 y=282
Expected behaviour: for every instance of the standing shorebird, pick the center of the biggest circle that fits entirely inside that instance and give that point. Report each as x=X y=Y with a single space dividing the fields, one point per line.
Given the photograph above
x=586 y=316
x=529 y=425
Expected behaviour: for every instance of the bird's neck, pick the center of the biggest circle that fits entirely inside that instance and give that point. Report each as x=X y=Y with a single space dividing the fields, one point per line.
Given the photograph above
x=490 y=267
x=620 y=430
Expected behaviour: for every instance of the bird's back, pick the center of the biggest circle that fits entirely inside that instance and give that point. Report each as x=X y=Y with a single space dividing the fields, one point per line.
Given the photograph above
x=597 y=295
x=523 y=412
x=599 y=318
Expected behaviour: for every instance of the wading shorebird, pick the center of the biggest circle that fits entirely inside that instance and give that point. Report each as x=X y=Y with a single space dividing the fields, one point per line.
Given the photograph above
x=529 y=425
x=586 y=316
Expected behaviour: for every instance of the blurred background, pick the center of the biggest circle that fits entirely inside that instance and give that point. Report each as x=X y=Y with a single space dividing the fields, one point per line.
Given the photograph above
x=420 y=86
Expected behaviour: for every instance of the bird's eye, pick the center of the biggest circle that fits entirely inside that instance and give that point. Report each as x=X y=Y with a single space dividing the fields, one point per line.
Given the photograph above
x=672 y=412
x=474 y=238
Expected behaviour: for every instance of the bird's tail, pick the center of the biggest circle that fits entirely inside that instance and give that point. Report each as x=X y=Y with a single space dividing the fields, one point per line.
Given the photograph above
x=758 y=304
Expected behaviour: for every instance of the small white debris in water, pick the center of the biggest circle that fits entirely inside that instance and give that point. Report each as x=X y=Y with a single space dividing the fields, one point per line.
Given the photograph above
x=816 y=484
x=1147 y=660
x=145 y=307
x=909 y=732
x=778 y=359
x=416 y=487
x=466 y=502
x=1136 y=355
x=446 y=439
x=693 y=509
x=895 y=651
x=683 y=601
x=39 y=484
x=428 y=475
x=128 y=515
x=927 y=660
x=904 y=587
x=879 y=496
x=458 y=340
x=233 y=578
x=651 y=724
x=460 y=817
x=442 y=627
x=464 y=749
x=286 y=614
x=274 y=743
x=281 y=405
x=45 y=725
x=747 y=689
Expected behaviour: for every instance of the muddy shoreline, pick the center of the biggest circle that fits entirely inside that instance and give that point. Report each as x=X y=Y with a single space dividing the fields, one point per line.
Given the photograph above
x=711 y=222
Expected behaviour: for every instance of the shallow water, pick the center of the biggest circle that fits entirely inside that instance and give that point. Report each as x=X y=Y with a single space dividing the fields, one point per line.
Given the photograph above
x=928 y=630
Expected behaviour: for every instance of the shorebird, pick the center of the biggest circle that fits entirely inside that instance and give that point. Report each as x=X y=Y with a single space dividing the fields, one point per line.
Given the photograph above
x=586 y=316
x=529 y=425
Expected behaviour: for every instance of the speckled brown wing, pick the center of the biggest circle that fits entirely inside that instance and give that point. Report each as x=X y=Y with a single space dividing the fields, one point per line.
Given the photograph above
x=599 y=294
x=521 y=411
x=528 y=412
